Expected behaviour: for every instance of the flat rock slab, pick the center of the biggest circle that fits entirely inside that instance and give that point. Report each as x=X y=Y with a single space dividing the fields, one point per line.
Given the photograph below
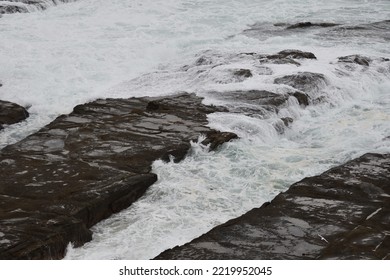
x=84 y=166
x=341 y=214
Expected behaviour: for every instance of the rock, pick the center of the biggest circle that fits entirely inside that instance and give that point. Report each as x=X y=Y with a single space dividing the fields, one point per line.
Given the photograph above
x=203 y=60
x=245 y=73
x=357 y=59
x=302 y=98
x=275 y=59
x=287 y=57
x=303 y=81
x=340 y=214
x=216 y=139
x=84 y=166
x=374 y=31
x=25 y=6
x=287 y=121
x=11 y=113
x=283 y=57
x=325 y=31
x=309 y=24
x=152 y=106
x=252 y=102
x=263 y=31
x=11 y=9
x=293 y=54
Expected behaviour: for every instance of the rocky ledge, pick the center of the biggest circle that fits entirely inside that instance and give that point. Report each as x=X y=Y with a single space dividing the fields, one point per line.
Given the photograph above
x=84 y=166
x=341 y=214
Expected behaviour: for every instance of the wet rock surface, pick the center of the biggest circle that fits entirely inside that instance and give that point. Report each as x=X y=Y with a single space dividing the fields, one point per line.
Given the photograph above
x=308 y=24
x=82 y=167
x=303 y=81
x=341 y=214
x=11 y=113
x=257 y=102
x=357 y=59
x=293 y=54
x=308 y=88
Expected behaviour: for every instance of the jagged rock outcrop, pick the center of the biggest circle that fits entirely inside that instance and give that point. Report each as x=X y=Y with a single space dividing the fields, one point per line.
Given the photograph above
x=84 y=166
x=11 y=113
x=341 y=214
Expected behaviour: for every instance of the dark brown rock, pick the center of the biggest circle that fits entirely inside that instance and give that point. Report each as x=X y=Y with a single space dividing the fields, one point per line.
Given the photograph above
x=303 y=81
x=245 y=73
x=302 y=98
x=309 y=24
x=84 y=166
x=252 y=102
x=216 y=139
x=262 y=30
x=341 y=214
x=357 y=59
x=293 y=54
x=11 y=113
x=275 y=59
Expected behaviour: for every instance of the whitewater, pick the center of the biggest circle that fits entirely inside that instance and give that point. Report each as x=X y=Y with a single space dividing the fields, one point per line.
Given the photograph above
x=72 y=53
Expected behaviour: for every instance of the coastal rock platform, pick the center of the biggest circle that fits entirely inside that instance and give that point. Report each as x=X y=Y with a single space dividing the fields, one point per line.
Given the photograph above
x=82 y=167
x=341 y=214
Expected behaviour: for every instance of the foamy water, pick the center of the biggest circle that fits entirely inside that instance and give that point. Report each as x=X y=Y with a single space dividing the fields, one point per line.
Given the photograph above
x=76 y=52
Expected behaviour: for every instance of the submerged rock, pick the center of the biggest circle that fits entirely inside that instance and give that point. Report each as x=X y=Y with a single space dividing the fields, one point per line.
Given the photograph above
x=309 y=24
x=357 y=59
x=264 y=30
x=11 y=113
x=373 y=31
x=252 y=102
x=323 y=31
x=340 y=214
x=244 y=73
x=216 y=139
x=286 y=57
x=82 y=167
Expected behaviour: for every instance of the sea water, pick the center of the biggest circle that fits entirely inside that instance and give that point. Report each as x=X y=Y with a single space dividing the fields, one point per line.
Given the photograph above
x=77 y=52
